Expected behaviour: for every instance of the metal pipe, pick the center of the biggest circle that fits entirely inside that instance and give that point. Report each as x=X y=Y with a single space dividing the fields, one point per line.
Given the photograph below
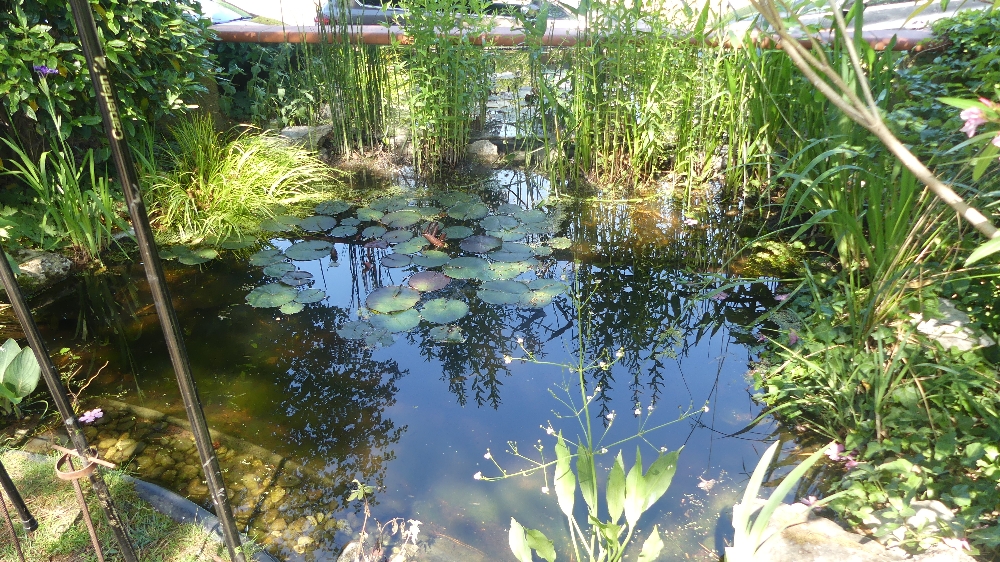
x=62 y=403
x=15 y=498
x=96 y=62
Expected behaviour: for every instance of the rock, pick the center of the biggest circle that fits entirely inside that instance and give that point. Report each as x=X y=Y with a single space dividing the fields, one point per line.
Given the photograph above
x=39 y=270
x=406 y=552
x=169 y=475
x=106 y=444
x=483 y=150
x=796 y=534
x=942 y=553
x=289 y=481
x=279 y=524
x=305 y=136
x=187 y=471
x=952 y=329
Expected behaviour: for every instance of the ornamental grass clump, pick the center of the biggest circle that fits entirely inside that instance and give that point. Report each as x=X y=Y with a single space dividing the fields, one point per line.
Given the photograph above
x=218 y=186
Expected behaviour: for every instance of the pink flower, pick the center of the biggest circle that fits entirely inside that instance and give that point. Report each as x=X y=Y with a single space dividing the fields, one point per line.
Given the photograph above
x=780 y=298
x=996 y=140
x=810 y=500
x=974 y=117
x=91 y=416
x=720 y=296
x=834 y=451
x=793 y=338
x=956 y=543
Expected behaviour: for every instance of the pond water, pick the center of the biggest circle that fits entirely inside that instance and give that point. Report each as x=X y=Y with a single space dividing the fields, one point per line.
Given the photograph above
x=413 y=416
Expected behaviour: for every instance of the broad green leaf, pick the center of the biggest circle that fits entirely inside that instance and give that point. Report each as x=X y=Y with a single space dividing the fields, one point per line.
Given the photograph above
x=396 y=322
x=293 y=307
x=427 y=281
x=318 y=223
x=9 y=394
x=635 y=491
x=985 y=250
x=392 y=299
x=8 y=351
x=518 y=544
x=334 y=207
x=308 y=250
x=659 y=476
x=310 y=296
x=651 y=547
x=272 y=295
x=741 y=516
x=444 y=311
x=197 y=257
x=616 y=489
x=541 y=544
x=588 y=480
x=22 y=373
x=446 y=334
x=565 y=480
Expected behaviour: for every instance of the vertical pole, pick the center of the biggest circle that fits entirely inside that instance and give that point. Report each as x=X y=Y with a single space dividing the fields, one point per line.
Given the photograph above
x=97 y=63
x=15 y=498
x=62 y=402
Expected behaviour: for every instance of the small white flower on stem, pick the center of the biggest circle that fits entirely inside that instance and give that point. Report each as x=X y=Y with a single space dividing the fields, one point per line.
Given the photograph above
x=705 y=409
x=620 y=353
x=610 y=415
x=663 y=449
x=604 y=450
x=550 y=431
x=477 y=476
x=520 y=340
x=487 y=456
x=603 y=365
x=650 y=407
x=597 y=389
x=545 y=489
x=507 y=359
x=638 y=411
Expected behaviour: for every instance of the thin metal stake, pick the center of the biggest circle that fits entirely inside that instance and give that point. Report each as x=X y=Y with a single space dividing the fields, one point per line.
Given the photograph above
x=61 y=400
x=97 y=63
x=10 y=528
x=7 y=484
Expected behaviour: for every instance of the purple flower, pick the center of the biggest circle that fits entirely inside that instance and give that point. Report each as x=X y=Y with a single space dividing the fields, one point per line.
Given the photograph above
x=43 y=70
x=793 y=338
x=720 y=296
x=782 y=297
x=91 y=416
x=834 y=451
x=974 y=117
x=690 y=222
x=810 y=500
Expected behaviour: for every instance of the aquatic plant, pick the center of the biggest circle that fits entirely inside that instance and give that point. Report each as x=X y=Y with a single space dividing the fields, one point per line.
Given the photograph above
x=19 y=374
x=217 y=187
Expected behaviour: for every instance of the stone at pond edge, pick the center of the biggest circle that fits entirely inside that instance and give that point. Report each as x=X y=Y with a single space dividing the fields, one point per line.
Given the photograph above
x=309 y=137
x=952 y=329
x=39 y=270
x=483 y=150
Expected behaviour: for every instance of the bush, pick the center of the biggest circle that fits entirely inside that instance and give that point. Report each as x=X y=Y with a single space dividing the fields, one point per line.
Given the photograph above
x=158 y=52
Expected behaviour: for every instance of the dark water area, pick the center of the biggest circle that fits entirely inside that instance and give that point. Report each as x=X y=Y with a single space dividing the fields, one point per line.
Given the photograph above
x=415 y=418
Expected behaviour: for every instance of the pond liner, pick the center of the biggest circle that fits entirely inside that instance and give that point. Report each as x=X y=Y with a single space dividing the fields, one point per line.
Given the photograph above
x=83 y=16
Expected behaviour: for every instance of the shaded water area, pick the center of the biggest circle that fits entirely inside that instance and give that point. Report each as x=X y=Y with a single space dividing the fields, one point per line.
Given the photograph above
x=413 y=416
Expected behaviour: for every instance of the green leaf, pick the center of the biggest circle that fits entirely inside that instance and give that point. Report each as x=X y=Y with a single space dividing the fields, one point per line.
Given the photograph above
x=588 y=480
x=651 y=547
x=542 y=545
x=308 y=250
x=565 y=480
x=616 y=489
x=518 y=544
x=8 y=351
x=22 y=373
x=659 y=476
x=396 y=322
x=272 y=295
x=635 y=491
x=392 y=299
x=988 y=249
x=444 y=311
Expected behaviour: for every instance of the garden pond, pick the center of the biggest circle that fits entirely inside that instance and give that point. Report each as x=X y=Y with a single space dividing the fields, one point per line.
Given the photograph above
x=383 y=343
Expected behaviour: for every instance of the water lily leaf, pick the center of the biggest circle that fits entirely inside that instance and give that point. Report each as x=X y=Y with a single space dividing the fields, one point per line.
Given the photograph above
x=271 y=225
x=288 y=220
x=308 y=250
x=560 y=243
x=467 y=267
x=428 y=212
x=392 y=299
x=266 y=257
x=508 y=209
x=271 y=295
x=532 y=216
x=541 y=293
x=447 y=334
x=498 y=222
x=549 y=286
x=452 y=198
x=373 y=231
x=510 y=270
x=401 y=219
x=397 y=236
x=427 y=281
x=350 y=221
x=536 y=228
x=291 y=308
x=195 y=257
x=332 y=207
x=396 y=322
x=318 y=223
x=355 y=330
x=431 y=258
x=236 y=242
x=502 y=292
x=480 y=244
x=389 y=204
x=167 y=252
x=457 y=232
x=444 y=311
x=542 y=251
x=512 y=235
x=344 y=231
x=278 y=270
x=512 y=252
x=297 y=278
x=472 y=210
x=379 y=337
x=395 y=260
x=310 y=296
x=367 y=214
x=379 y=244
x=411 y=246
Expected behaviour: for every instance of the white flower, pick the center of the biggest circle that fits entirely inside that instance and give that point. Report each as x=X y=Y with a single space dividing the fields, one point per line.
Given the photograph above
x=663 y=449
x=603 y=365
x=604 y=450
x=597 y=389
x=545 y=489
x=477 y=476
x=520 y=340
x=507 y=359
x=638 y=411
x=620 y=353
x=705 y=409
x=610 y=415
x=650 y=407
x=550 y=431
x=487 y=456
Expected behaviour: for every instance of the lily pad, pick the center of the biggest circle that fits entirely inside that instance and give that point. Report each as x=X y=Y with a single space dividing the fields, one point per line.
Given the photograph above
x=429 y=212
x=280 y=223
x=344 y=231
x=376 y=244
x=560 y=243
x=278 y=270
x=332 y=207
x=411 y=246
x=266 y=257
x=297 y=278
x=542 y=251
x=509 y=270
x=271 y=295
x=310 y=296
x=457 y=232
x=427 y=281
x=395 y=260
x=318 y=223
x=291 y=308
x=541 y=292
x=389 y=204
x=512 y=252
x=355 y=330
x=472 y=210
x=396 y=322
x=379 y=337
x=511 y=235
x=446 y=334
x=350 y=221
x=508 y=209
x=397 y=236
x=502 y=292
x=532 y=216
x=536 y=228
x=236 y=242
x=401 y=219
x=366 y=214
x=444 y=311
x=195 y=257
x=373 y=231
x=308 y=250
x=431 y=258
x=480 y=244
x=498 y=222
x=392 y=299
x=452 y=198
x=467 y=267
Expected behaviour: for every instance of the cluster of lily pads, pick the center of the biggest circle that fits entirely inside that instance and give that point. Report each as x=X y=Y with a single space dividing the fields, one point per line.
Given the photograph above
x=452 y=237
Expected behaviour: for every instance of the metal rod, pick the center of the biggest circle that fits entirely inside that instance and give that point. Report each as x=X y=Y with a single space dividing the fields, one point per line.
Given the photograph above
x=10 y=529
x=97 y=64
x=61 y=400
x=15 y=498
x=86 y=514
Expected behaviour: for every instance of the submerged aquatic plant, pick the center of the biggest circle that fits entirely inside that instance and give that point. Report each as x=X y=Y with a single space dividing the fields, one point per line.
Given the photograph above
x=219 y=187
